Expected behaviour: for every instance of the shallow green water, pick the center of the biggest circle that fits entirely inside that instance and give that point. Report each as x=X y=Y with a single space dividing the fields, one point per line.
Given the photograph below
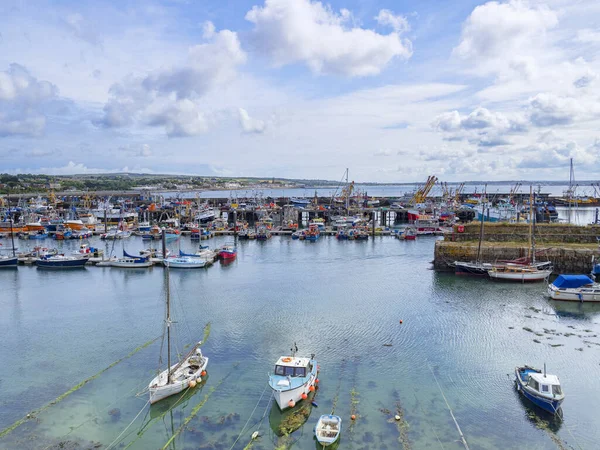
x=340 y=300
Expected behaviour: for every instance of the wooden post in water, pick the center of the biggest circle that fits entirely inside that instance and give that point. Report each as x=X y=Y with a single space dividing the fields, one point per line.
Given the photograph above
x=373 y=227
x=235 y=230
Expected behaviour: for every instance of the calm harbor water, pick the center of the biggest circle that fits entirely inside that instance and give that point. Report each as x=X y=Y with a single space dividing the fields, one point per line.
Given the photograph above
x=340 y=300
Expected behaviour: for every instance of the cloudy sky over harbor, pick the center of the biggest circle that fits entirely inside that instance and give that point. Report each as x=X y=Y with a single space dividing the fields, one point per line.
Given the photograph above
x=394 y=90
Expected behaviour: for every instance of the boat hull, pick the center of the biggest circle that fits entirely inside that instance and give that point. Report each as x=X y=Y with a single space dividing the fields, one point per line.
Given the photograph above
x=470 y=269
x=328 y=429
x=522 y=277
x=131 y=265
x=7 y=263
x=61 y=264
x=199 y=264
x=159 y=388
x=574 y=295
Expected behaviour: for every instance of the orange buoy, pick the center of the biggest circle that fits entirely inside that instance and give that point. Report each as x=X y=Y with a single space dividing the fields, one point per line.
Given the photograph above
x=304 y=396
x=317 y=381
x=311 y=389
x=353 y=417
x=203 y=373
x=400 y=320
x=291 y=403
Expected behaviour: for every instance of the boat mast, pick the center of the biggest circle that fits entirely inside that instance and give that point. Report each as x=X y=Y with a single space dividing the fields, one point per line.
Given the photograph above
x=570 y=191
x=168 y=319
x=12 y=236
x=531 y=242
x=347 y=194
x=481 y=226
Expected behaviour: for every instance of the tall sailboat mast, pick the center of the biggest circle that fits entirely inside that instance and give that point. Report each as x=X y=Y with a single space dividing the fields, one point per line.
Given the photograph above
x=168 y=318
x=481 y=225
x=10 y=219
x=531 y=244
x=347 y=194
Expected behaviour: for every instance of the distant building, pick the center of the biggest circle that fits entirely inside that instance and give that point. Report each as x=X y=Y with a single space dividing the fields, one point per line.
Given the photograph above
x=54 y=186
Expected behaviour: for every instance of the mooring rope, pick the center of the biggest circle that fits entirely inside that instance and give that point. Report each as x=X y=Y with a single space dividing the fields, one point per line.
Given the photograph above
x=197 y=408
x=251 y=414
x=127 y=427
x=61 y=397
x=462 y=436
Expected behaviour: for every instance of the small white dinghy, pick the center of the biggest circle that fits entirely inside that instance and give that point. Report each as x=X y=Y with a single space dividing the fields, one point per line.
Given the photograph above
x=328 y=429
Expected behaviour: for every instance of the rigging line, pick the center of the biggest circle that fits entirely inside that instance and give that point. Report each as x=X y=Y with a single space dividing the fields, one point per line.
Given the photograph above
x=251 y=414
x=127 y=427
x=432 y=427
x=462 y=436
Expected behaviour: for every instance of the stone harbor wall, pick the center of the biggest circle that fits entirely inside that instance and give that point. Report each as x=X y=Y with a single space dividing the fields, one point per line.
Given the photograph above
x=545 y=234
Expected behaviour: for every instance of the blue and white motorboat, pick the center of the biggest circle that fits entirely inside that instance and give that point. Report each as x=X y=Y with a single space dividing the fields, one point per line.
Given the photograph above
x=542 y=389
x=61 y=262
x=574 y=288
x=328 y=429
x=184 y=262
x=131 y=262
x=294 y=378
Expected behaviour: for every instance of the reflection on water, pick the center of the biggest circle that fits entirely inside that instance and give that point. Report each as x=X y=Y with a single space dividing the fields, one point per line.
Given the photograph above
x=342 y=301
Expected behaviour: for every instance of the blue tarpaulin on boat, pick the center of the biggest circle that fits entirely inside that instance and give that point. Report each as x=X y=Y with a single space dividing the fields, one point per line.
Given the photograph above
x=572 y=281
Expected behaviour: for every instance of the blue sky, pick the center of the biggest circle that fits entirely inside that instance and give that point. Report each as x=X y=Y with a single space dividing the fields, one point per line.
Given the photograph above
x=302 y=89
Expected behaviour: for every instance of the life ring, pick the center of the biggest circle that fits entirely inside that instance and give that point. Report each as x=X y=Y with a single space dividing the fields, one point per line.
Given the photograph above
x=286 y=359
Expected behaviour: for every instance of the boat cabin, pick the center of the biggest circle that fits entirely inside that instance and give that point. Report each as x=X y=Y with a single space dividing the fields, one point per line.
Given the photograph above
x=547 y=386
x=289 y=366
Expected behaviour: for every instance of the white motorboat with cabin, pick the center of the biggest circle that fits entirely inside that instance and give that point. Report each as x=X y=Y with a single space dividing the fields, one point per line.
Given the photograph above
x=294 y=378
x=184 y=262
x=574 y=288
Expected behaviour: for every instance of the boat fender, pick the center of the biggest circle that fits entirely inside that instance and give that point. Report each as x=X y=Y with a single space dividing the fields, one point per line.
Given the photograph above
x=314 y=404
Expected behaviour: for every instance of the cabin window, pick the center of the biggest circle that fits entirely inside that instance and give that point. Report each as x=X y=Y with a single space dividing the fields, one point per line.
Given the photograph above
x=289 y=371
x=278 y=370
x=300 y=372
x=545 y=388
x=556 y=390
x=534 y=384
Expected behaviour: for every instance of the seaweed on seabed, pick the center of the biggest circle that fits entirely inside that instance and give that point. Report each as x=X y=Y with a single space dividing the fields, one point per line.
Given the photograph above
x=293 y=420
x=547 y=426
x=402 y=426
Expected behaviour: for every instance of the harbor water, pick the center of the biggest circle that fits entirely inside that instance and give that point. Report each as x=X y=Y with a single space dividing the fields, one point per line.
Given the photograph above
x=390 y=335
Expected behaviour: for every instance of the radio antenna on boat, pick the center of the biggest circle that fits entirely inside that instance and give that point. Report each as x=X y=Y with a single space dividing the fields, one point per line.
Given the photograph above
x=544 y=370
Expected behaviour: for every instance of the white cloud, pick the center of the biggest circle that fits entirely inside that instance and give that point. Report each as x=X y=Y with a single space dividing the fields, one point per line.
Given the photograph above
x=481 y=126
x=588 y=35
x=397 y=22
x=303 y=31
x=548 y=109
x=383 y=152
x=73 y=168
x=505 y=37
x=22 y=98
x=554 y=152
x=170 y=97
x=82 y=28
x=249 y=124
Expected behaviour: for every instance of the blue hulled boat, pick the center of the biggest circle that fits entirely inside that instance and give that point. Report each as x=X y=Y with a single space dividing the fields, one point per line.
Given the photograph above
x=61 y=262
x=542 y=389
x=7 y=262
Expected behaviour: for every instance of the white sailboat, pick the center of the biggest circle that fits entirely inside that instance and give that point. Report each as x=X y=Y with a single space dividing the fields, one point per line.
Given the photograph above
x=186 y=373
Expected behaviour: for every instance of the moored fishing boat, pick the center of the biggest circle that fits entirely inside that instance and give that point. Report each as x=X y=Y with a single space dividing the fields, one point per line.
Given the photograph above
x=543 y=389
x=294 y=378
x=7 y=261
x=228 y=252
x=575 y=288
x=61 y=261
x=328 y=429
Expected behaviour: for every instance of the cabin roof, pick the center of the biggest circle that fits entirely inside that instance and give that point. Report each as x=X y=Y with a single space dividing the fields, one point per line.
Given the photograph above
x=548 y=379
x=295 y=361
